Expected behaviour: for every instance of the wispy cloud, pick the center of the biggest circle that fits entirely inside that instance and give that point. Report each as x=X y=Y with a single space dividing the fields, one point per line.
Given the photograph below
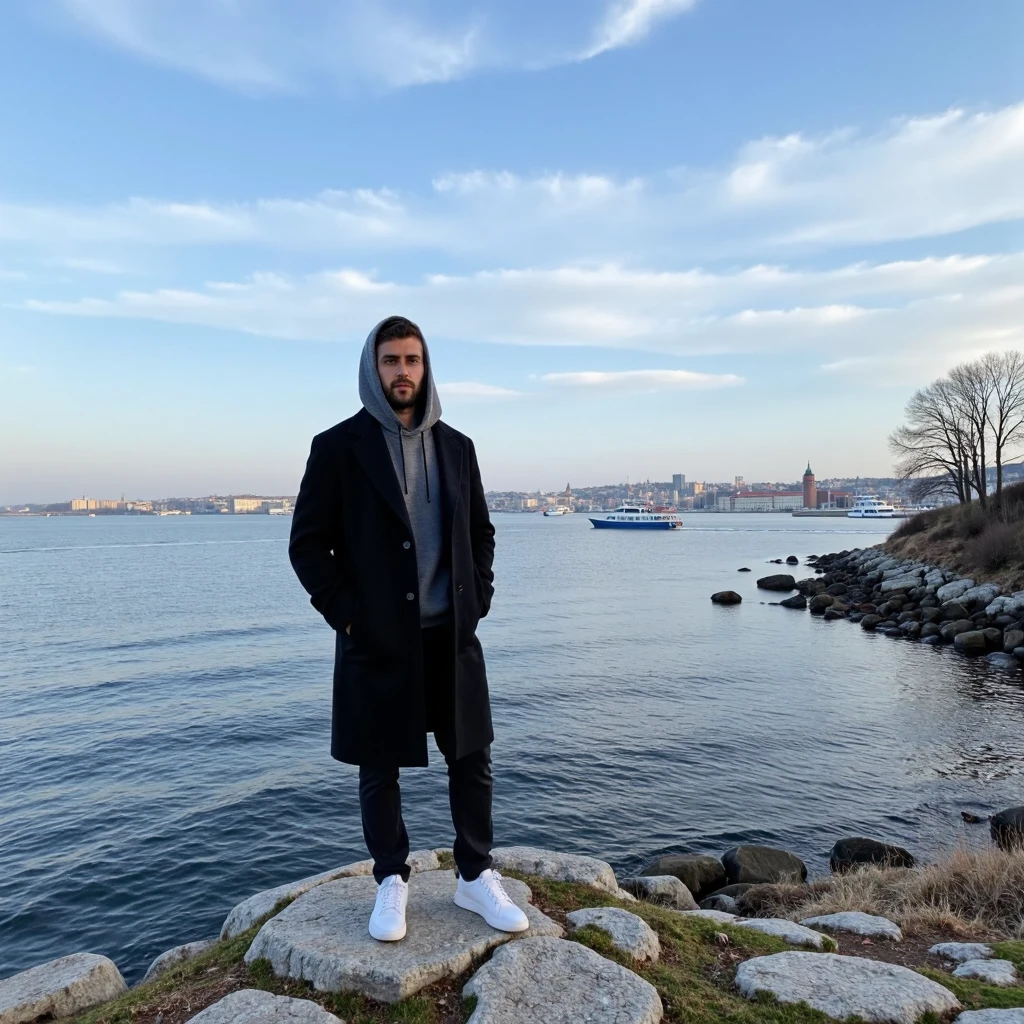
x=645 y=380
x=627 y=22
x=919 y=177
x=272 y=46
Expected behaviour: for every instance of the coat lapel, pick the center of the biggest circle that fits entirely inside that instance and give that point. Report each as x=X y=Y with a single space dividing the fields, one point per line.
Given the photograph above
x=450 y=459
x=372 y=452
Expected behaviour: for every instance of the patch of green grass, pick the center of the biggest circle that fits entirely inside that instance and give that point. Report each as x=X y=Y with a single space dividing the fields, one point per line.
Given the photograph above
x=977 y=995
x=1012 y=951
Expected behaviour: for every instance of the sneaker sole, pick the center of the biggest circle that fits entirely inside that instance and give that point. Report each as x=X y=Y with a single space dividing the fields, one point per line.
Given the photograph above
x=390 y=936
x=469 y=905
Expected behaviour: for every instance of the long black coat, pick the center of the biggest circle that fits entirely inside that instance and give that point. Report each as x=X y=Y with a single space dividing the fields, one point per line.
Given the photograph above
x=353 y=550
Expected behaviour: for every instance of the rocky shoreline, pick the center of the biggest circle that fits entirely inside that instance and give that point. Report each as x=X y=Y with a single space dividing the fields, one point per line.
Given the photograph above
x=592 y=952
x=910 y=600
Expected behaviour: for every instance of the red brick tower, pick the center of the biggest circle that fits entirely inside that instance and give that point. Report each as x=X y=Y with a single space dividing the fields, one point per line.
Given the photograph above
x=810 y=491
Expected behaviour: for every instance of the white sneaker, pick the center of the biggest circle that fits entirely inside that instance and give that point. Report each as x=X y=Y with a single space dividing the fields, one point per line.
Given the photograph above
x=486 y=896
x=387 y=922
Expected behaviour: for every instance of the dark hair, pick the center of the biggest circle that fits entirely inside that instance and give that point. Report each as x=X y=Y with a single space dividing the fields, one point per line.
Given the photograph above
x=394 y=328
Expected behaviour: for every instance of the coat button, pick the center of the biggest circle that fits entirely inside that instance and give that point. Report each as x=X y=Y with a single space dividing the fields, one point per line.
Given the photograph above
x=459 y=588
x=410 y=597
x=406 y=545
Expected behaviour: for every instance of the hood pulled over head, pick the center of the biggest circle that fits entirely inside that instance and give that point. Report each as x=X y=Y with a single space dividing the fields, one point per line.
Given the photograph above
x=371 y=392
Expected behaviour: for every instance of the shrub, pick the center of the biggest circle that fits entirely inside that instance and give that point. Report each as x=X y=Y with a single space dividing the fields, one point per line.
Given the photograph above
x=915 y=524
x=998 y=547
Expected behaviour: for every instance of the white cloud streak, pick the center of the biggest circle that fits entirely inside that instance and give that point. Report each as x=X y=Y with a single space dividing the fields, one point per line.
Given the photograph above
x=644 y=380
x=922 y=177
x=272 y=46
x=475 y=389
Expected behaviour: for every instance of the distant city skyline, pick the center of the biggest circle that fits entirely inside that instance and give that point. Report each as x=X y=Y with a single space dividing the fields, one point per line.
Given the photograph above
x=719 y=235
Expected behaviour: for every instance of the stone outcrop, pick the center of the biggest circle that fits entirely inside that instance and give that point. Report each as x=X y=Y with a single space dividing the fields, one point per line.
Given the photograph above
x=562 y=867
x=845 y=986
x=629 y=933
x=322 y=937
x=699 y=872
x=173 y=957
x=780 y=581
x=763 y=864
x=797 y=601
x=665 y=890
x=855 y=851
x=959 y=952
x=788 y=931
x=253 y=1006
x=63 y=987
x=548 y=981
x=994 y=972
x=856 y=923
x=726 y=597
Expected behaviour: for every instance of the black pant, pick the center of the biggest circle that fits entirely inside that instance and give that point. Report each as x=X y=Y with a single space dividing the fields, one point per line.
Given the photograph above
x=470 y=785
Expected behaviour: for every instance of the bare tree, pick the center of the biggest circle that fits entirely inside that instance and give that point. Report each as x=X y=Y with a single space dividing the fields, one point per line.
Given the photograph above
x=1006 y=405
x=973 y=389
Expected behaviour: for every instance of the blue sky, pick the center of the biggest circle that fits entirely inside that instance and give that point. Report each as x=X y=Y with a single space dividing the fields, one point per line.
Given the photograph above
x=715 y=237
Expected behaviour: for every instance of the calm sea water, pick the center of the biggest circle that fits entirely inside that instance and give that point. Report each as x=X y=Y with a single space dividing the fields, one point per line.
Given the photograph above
x=165 y=698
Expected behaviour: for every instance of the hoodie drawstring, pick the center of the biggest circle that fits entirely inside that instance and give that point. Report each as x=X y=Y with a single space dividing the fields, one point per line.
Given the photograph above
x=426 y=473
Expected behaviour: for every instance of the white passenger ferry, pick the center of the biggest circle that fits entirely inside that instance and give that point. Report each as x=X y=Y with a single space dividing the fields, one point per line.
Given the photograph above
x=638 y=517
x=869 y=507
x=558 y=510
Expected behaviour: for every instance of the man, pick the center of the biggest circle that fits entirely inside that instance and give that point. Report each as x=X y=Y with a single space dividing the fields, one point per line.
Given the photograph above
x=392 y=540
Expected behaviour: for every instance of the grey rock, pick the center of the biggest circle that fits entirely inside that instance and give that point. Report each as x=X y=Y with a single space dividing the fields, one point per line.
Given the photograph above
x=1007 y=828
x=173 y=957
x=982 y=595
x=792 y=560
x=1010 y=604
x=322 y=937
x=788 y=931
x=726 y=597
x=971 y=642
x=954 y=589
x=1013 y=638
x=995 y=972
x=755 y=864
x=953 y=629
x=562 y=867
x=852 y=852
x=857 y=923
x=900 y=583
x=991 y=1017
x=933 y=640
x=777 y=582
x=993 y=637
x=63 y=987
x=666 y=890
x=720 y=916
x=962 y=951
x=819 y=603
x=719 y=901
x=549 y=981
x=797 y=601
x=870 y=621
x=253 y=1006
x=699 y=872
x=631 y=934
x=625 y=895
x=844 y=986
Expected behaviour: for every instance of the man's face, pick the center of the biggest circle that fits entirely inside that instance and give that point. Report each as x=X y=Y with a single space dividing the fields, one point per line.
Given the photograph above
x=400 y=368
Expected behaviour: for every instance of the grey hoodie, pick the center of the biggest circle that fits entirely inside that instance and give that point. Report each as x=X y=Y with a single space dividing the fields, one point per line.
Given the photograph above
x=415 y=462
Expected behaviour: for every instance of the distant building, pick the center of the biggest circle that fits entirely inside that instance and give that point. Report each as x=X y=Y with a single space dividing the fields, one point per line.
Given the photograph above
x=95 y=504
x=760 y=501
x=739 y=483
x=810 y=491
x=678 y=482
x=241 y=505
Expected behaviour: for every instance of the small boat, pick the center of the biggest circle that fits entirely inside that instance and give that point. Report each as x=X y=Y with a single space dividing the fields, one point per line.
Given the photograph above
x=558 y=510
x=869 y=507
x=638 y=517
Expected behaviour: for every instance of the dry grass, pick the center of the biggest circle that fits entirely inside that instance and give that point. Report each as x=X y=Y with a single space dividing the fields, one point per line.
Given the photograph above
x=968 y=893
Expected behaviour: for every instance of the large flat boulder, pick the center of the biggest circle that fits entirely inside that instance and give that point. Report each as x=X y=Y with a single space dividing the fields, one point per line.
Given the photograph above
x=63 y=987
x=991 y=1017
x=250 y=910
x=173 y=957
x=253 y=1006
x=780 y=582
x=854 y=851
x=551 y=981
x=846 y=986
x=959 y=952
x=856 y=923
x=631 y=934
x=701 y=873
x=322 y=937
x=953 y=590
x=763 y=864
x=665 y=890
x=562 y=867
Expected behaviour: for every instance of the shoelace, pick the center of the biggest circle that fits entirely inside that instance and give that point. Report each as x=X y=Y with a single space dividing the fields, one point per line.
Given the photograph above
x=496 y=890
x=391 y=894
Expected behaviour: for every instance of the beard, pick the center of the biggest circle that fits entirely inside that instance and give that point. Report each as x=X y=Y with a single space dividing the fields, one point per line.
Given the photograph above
x=396 y=401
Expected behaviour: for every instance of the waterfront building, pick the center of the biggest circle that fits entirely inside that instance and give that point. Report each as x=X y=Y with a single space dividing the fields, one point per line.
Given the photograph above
x=760 y=501
x=810 y=491
x=95 y=504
